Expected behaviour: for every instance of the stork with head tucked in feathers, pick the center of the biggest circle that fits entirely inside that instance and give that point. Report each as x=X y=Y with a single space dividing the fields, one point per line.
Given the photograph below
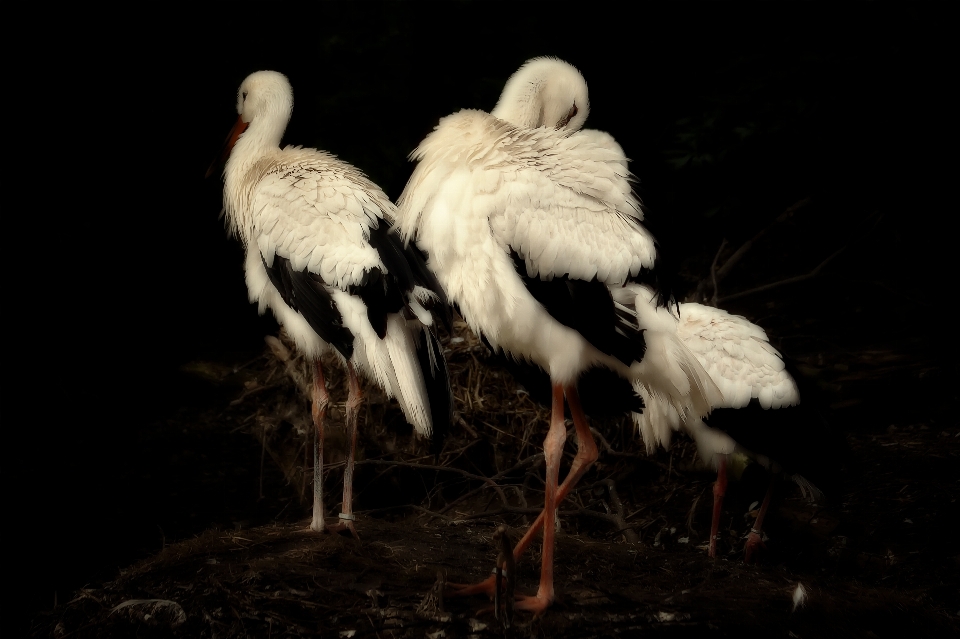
x=321 y=255
x=527 y=221
x=736 y=353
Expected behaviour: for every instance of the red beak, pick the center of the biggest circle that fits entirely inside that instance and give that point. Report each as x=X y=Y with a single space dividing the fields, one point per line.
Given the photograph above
x=232 y=138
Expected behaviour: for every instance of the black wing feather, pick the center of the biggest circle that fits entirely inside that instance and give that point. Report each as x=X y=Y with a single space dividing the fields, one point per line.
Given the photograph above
x=406 y=267
x=379 y=297
x=602 y=391
x=437 y=381
x=424 y=277
x=587 y=307
x=306 y=293
x=663 y=276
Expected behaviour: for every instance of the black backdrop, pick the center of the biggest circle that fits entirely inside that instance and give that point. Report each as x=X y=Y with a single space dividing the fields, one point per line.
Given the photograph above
x=121 y=271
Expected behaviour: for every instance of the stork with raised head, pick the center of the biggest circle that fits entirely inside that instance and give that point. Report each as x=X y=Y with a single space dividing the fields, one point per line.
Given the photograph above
x=320 y=254
x=527 y=221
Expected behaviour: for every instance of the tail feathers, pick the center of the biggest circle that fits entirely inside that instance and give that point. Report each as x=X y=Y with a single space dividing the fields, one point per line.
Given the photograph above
x=704 y=392
x=657 y=421
x=437 y=386
x=669 y=367
x=406 y=376
x=671 y=371
x=421 y=380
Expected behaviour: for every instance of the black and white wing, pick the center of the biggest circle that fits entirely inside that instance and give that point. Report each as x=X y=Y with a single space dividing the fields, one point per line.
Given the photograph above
x=321 y=232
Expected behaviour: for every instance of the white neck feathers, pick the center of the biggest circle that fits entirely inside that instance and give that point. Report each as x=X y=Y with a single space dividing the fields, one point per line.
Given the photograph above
x=265 y=103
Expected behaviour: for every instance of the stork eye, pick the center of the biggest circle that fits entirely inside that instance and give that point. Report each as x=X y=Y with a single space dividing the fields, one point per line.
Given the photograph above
x=565 y=120
x=243 y=96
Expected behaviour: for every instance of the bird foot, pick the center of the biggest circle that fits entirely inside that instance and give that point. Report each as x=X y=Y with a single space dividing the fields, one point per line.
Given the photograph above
x=712 y=548
x=753 y=541
x=344 y=526
x=536 y=604
x=486 y=587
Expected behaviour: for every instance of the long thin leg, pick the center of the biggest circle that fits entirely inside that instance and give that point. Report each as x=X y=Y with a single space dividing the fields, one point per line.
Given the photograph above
x=552 y=451
x=354 y=401
x=321 y=399
x=586 y=455
x=719 y=490
x=755 y=538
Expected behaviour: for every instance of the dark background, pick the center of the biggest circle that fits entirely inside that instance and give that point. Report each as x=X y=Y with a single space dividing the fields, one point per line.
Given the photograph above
x=122 y=272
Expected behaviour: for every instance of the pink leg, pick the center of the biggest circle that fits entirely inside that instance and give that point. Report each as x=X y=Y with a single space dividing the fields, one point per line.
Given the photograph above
x=755 y=538
x=320 y=402
x=719 y=490
x=354 y=401
x=552 y=451
x=586 y=455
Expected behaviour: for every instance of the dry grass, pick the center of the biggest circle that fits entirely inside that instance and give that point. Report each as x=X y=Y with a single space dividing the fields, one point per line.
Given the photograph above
x=491 y=464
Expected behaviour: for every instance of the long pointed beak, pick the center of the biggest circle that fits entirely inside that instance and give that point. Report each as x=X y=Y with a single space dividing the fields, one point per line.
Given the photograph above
x=232 y=138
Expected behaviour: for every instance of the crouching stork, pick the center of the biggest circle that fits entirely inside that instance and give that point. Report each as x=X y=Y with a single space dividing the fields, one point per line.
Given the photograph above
x=759 y=414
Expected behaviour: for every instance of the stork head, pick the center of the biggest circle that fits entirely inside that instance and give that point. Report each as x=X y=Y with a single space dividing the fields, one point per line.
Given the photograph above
x=545 y=92
x=265 y=95
x=267 y=98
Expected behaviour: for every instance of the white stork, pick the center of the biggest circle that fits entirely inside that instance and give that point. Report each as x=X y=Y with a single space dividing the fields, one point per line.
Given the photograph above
x=527 y=221
x=751 y=376
x=321 y=255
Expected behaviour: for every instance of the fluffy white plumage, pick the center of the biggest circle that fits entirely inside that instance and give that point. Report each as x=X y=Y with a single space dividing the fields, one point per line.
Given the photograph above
x=561 y=199
x=702 y=359
x=694 y=361
x=738 y=357
x=308 y=207
x=524 y=189
x=734 y=352
x=545 y=92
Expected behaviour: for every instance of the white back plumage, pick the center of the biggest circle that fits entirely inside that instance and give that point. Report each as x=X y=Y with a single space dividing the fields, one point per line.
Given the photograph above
x=560 y=199
x=526 y=179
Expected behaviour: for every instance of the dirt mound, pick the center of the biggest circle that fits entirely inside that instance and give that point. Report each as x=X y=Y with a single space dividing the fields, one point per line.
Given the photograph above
x=631 y=558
